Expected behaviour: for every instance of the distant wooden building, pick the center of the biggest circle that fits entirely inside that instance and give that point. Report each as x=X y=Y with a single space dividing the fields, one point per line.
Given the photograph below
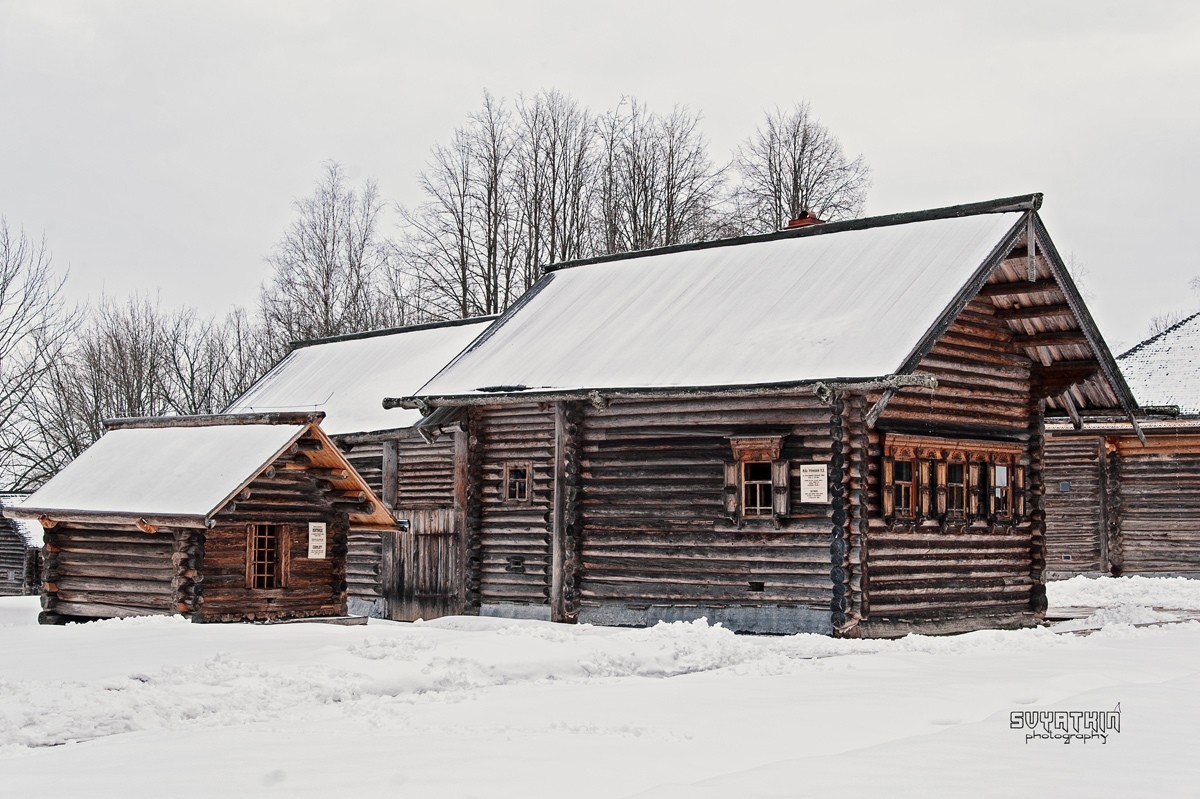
x=396 y=573
x=20 y=551
x=835 y=428
x=1116 y=504
x=217 y=518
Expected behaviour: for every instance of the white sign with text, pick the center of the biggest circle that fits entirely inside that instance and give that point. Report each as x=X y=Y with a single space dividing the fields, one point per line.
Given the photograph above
x=316 y=540
x=814 y=482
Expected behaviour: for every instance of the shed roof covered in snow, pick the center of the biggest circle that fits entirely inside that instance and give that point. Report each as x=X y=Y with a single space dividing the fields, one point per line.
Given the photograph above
x=851 y=300
x=1165 y=369
x=347 y=377
x=182 y=467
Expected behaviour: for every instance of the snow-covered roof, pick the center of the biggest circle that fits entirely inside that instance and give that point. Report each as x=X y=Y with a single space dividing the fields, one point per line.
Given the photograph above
x=1165 y=369
x=28 y=530
x=849 y=303
x=164 y=471
x=347 y=378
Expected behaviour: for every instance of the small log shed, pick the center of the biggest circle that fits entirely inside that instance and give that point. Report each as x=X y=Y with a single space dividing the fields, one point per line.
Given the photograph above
x=216 y=518
x=394 y=573
x=835 y=428
x=1122 y=499
x=20 y=551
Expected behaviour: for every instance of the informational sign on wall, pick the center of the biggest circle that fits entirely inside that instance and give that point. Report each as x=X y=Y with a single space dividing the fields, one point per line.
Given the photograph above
x=814 y=482
x=316 y=540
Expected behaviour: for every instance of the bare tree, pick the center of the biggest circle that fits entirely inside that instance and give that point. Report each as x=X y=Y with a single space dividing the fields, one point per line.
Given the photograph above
x=793 y=164
x=461 y=246
x=328 y=266
x=34 y=329
x=555 y=163
x=1160 y=323
x=656 y=184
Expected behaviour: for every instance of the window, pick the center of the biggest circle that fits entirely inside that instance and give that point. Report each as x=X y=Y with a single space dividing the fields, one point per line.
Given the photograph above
x=930 y=479
x=902 y=488
x=757 y=481
x=517 y=479
x=266 y=552
x=756 y=489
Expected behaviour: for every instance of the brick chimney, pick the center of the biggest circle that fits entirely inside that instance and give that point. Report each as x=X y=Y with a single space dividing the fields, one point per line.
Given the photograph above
x=805 y=219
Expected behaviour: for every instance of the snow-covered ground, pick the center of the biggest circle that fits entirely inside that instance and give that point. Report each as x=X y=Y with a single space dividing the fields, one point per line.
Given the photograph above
x=483 y=707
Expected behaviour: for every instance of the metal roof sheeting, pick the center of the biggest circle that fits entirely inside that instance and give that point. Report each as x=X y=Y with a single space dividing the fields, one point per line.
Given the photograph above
x=163 y=471
x=1165 y=370
x=851 y=303
x=348 y=379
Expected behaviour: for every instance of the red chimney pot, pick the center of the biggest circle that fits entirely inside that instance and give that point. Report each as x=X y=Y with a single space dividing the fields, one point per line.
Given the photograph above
x=805 y=219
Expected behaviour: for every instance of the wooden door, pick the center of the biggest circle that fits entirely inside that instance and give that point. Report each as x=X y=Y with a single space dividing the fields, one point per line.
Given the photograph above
x=422 y=576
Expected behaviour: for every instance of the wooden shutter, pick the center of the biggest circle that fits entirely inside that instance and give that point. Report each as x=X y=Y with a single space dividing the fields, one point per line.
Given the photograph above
x=976 y=501
x=941 y=491
x=733 y=473
x=781 y=484
x=1018 y=489
x=888 y=492
x=925 y=501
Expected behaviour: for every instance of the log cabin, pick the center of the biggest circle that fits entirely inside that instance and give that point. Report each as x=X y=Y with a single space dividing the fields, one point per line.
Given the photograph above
x=346 y=378
x=20 y=551
x=1125 y=500
x=215 y=518
x=835 y=428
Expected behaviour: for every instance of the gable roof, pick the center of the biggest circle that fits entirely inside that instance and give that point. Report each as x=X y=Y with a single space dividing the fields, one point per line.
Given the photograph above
x=845 y=301
x=182 y=467
x=347 y=377
x=1165 y=368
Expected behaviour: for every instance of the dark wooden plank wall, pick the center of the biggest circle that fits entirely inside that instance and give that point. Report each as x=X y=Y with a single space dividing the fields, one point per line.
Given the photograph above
x=14 y=559
x=923 y=572
x=367 y=460
x=1159 y=487
x=510 y=552
x=364 y=563
x=1075 y=517
x=107 y=571
x=425 y=473
x=655 y=530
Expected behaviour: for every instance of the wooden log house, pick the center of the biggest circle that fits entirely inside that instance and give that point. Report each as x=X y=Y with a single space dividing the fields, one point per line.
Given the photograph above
x=1125 y=500
x=216 y=518
x=835 y=428
x=390 y=573
x=20 y=551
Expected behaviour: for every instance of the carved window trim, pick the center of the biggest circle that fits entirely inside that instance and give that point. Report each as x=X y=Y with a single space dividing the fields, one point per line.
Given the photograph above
x=952 y=481
x=749 y=496
x=516 y=486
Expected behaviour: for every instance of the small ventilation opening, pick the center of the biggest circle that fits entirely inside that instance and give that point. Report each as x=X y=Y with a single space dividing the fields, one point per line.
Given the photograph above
x=515 y=564
x=757 y=586
x=1066 y=557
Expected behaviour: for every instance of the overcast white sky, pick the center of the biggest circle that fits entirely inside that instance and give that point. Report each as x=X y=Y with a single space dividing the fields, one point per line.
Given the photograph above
x=158 y=145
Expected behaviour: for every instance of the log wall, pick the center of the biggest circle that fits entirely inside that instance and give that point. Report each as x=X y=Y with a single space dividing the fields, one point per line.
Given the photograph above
x=936 y=577
x=657 y=541
x=1075 y=506
x=1159 y=521
x=508 y=546
x=312 y=587
x=107 y=571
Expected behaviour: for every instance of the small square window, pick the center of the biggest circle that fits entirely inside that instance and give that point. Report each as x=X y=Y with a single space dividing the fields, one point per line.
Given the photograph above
x=517 y=479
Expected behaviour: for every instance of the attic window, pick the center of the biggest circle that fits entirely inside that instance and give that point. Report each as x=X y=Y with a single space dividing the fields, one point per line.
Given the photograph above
x=265 y=556
x=517 y=479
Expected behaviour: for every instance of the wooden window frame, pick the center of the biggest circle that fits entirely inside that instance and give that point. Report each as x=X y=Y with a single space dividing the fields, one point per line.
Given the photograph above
x=507 y=483
x=748 y=450
x=279 y=539
x=928 y=496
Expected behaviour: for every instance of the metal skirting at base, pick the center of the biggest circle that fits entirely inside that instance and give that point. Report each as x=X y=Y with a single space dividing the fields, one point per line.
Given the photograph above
x=512 y=610
x=769 y=620
x=361 y=606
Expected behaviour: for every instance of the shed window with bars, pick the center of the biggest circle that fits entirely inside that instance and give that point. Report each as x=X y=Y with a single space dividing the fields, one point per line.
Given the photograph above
x=265 y=556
